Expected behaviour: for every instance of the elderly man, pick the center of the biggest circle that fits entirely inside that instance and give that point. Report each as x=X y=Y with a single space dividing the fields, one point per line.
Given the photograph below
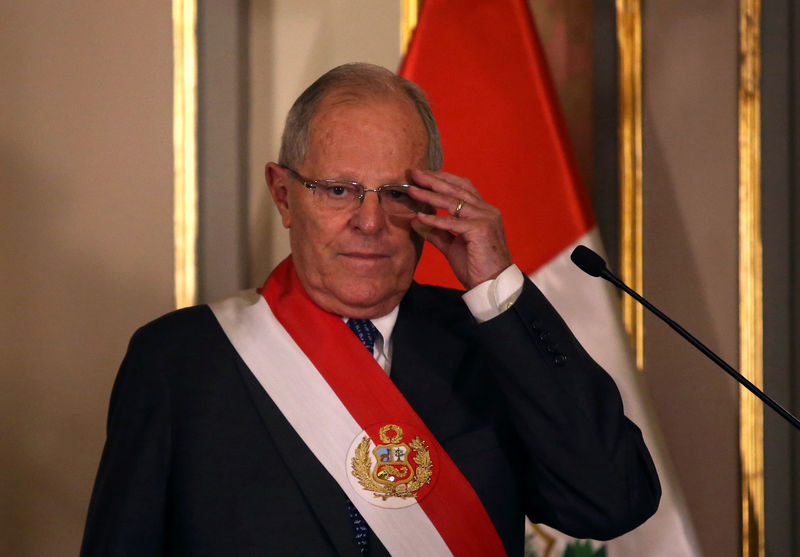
x=260 y=425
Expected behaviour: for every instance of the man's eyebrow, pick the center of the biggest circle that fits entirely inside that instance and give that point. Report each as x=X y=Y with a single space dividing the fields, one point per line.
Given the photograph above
x=389 y=182
x=344 y=176
x=337 y=178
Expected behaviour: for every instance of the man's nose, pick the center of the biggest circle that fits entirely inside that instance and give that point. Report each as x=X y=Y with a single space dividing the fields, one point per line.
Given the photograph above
x=369 y=217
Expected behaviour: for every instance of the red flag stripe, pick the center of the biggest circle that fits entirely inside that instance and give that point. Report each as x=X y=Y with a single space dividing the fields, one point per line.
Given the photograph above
x=484 y=71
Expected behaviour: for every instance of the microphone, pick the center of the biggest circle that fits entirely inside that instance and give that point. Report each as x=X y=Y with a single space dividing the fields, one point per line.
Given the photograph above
x=592 y=264
x=588 y=261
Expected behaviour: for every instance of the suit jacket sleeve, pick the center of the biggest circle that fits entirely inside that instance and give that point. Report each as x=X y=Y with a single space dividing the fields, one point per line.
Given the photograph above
x=583 y=467
x=127 y=508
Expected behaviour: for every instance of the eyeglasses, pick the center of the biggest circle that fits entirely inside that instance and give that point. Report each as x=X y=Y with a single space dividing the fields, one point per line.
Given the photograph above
x=340 y=195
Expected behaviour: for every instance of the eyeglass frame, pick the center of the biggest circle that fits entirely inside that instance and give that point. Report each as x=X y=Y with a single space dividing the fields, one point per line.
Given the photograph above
x=312 y=185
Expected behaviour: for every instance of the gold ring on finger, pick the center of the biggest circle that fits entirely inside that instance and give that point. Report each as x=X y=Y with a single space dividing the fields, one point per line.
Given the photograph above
x=457 y=212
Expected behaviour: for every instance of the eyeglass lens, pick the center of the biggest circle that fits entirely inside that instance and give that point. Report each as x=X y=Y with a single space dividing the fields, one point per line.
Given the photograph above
x=343 y=195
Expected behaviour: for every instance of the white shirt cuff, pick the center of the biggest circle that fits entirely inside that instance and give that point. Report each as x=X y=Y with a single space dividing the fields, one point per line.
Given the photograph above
x=492 y=297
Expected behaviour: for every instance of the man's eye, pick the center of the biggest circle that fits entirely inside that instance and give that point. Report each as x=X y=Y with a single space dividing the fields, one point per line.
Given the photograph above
x=338 y=190
x=398 y=194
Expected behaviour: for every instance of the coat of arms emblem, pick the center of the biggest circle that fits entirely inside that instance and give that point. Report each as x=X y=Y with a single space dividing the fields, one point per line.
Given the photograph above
x=395 y=468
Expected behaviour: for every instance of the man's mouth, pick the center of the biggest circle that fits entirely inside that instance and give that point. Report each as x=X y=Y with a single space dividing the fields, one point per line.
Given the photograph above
x=364 y=255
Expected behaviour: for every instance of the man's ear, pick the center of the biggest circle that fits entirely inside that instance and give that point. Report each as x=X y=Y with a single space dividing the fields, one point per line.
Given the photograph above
x=278 y=184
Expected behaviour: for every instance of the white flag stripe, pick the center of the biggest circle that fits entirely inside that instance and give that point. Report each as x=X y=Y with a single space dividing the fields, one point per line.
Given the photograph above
x=590 y=307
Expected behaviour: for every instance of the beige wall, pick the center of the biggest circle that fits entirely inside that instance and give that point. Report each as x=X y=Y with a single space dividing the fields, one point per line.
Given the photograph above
x=690 y=249
x=86 y=243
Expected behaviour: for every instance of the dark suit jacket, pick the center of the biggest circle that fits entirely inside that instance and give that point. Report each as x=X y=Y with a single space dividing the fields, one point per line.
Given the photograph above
x=199 y=460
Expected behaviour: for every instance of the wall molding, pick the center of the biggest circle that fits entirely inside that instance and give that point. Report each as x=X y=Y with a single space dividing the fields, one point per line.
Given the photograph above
x=629 y=40
x=184 y=40
x=751 y=414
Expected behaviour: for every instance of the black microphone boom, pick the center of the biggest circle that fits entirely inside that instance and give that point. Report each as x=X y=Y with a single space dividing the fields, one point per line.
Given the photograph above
x=591 y=263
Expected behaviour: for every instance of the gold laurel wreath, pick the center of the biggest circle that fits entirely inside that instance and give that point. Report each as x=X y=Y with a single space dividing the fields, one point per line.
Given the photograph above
x=361 y=465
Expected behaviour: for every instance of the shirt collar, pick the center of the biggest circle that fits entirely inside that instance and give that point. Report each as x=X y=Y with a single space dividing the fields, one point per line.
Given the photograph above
x=383 y=344
x=385 y=324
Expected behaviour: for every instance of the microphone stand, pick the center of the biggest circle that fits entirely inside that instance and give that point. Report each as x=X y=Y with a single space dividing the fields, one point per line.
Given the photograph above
x=613 y=279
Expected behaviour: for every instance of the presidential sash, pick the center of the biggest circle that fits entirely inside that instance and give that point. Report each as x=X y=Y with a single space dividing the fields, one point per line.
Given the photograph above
x=356 y=422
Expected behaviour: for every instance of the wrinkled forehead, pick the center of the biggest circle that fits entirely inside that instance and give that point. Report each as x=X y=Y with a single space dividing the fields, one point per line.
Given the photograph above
x=385 y=119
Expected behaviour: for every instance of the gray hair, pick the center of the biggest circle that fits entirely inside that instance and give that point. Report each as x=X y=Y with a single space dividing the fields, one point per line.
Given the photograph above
x=358 y=81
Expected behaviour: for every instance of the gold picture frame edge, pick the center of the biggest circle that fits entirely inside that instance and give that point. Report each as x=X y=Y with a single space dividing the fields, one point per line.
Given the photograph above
x=629 y=41
x=751 y=413
x=184 y=131
x=409 y=12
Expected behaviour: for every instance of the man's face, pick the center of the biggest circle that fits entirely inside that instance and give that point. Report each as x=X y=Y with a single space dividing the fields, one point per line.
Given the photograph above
x=358 y=262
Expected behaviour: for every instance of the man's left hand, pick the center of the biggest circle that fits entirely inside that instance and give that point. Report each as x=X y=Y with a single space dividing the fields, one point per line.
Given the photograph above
x=471 y=236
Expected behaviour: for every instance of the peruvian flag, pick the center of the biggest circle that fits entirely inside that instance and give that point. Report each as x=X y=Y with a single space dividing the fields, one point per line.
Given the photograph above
x=483 y=68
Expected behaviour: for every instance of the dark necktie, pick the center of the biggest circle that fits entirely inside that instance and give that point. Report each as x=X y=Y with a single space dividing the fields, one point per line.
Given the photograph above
x=365 y=331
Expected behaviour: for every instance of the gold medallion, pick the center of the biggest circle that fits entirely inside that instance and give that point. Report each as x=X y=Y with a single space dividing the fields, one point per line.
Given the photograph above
x=393 y=468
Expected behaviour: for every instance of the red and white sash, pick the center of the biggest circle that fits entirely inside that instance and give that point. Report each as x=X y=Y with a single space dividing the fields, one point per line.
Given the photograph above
x=331 y=391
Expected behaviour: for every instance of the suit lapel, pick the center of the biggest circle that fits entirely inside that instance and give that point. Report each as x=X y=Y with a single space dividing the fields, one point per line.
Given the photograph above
x=322 y=494
x=428 y=348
